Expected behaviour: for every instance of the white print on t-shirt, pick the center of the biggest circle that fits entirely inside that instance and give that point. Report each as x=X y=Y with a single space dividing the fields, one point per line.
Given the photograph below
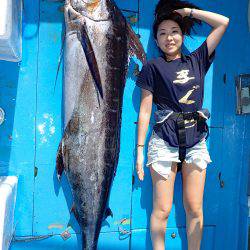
x=182 y=76
x=190 y=123
x=185 y=100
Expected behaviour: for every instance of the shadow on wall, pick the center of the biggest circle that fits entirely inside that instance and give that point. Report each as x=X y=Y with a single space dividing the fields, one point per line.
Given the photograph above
x=64 y=184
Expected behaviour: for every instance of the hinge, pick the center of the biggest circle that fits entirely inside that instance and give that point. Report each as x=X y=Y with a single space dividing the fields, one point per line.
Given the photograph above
x=35 y=171
x=225 y=78
x=222 y=184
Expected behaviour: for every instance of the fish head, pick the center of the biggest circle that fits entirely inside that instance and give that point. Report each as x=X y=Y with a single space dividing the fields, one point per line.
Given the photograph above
x=93 y=9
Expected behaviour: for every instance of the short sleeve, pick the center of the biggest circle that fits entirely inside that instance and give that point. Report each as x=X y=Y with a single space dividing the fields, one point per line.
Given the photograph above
x=204 y=61
x=145 y=78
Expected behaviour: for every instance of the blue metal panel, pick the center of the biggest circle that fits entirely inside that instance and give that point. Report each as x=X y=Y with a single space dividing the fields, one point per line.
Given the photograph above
x=233 y=201
x=24 y=200
x=128 y=5
x=52 y=204
x=49 y=95
x=18 y=93
x=244 y=189
x=7 y=101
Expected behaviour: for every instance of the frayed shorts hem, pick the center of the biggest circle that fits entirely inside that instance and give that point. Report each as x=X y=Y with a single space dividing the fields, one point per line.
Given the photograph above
x=161 y=155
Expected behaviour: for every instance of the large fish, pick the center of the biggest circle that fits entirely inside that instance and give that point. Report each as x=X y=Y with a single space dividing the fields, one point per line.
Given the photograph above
x=98 y=44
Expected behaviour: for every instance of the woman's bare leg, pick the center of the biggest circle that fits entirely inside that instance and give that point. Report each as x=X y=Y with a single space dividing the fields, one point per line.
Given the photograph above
x=193 y=188
x=163 y=190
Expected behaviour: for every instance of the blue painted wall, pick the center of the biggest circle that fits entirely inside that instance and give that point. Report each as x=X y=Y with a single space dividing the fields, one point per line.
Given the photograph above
x=32 y=130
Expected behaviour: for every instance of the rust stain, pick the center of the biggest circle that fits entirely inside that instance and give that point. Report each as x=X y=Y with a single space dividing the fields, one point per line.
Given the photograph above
x=133 y=19
x=61 y=8
x=66 y=234
x=123 y=222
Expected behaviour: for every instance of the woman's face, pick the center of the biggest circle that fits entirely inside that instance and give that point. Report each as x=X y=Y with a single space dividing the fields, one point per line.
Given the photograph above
x=169 y=37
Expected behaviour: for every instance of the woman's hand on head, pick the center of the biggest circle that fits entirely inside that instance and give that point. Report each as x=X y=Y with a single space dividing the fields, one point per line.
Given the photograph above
x=139 y=165
x=183 y=12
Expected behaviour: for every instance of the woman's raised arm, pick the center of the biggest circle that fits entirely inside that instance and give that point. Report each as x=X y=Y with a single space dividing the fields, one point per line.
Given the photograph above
x=218 y=22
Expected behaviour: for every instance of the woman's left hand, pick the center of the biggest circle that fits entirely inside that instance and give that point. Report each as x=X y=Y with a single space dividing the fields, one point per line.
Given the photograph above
x=183 y=12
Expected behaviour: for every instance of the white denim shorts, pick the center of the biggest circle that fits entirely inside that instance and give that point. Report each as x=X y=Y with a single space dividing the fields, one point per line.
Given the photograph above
x=161 y=155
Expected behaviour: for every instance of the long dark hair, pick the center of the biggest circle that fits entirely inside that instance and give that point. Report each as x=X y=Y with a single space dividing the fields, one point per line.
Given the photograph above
x=164 y=11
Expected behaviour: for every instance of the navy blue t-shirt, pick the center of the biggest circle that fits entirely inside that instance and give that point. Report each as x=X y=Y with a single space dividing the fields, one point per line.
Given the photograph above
x=177 y=85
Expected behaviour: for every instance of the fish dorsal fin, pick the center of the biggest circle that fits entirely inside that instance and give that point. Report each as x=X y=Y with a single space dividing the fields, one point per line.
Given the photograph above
x=108 y=212
x=135 y=46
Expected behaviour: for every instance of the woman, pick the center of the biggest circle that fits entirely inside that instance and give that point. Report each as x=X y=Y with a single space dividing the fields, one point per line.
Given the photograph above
x=175 y=83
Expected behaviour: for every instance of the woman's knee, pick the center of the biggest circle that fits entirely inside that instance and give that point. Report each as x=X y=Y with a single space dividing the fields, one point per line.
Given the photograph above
x=161 y=213
x=194 y=210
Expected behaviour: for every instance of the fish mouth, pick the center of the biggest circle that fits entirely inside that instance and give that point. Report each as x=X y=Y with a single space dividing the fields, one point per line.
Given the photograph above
x=92 y=5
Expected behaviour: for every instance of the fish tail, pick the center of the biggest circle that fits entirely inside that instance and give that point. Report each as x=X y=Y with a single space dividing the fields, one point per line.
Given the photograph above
x=87 y=244
x=59 y=162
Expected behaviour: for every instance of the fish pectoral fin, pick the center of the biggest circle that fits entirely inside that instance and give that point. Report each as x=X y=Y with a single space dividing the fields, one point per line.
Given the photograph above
x=135 y=46
x=91 y=58
x=59 y=162
x=108 y=213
